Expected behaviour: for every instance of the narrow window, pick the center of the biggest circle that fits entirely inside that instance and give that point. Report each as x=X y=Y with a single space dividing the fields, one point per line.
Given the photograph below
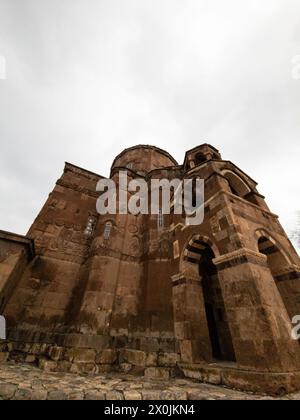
x=90 y=227
x=176 y=251
x=200 y=158
x=2 y=328
x=107 y=230
x=160 y=219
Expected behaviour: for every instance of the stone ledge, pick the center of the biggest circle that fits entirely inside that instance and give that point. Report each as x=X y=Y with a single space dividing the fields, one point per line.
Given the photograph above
x=90 y=341
x=240 y=256
x=270 y=383
x=58 y=358
x=19 y=239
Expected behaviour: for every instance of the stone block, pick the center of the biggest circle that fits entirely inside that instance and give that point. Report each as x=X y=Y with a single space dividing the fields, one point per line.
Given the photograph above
x=106 y=357
x=125 y=367
x=151 y=395
x=23 y=394
x=83 y=368
x=7 y=390
x=157 y=373
x=39 y=395
x=94 y=395
x=151 y=359
x=76 y=396
x=186 y=351
x=63 y=366
x=80 y=355
x=3 y=357
x=114 y=395
x=57 y=396
x=30 y=358
x=132 y=395
x=35 y=349
x=213 y=377
x=47 y=365
x=56 y=353
x=134 y=357
x=168 y=359
x=100 y=369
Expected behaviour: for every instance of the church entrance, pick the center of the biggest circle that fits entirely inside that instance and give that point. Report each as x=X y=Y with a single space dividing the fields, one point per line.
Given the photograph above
x=219 y=332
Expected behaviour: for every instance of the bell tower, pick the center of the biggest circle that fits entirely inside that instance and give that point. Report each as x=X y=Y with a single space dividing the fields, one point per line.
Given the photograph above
x=236 y=277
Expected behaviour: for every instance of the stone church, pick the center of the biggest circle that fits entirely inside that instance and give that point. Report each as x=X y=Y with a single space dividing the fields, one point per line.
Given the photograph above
x=148 y=294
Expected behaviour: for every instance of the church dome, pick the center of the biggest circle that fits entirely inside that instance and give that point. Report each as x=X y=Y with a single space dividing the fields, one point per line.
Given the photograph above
x=143 y=159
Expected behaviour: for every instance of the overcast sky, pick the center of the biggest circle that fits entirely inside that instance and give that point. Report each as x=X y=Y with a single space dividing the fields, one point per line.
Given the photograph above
x=87 y=78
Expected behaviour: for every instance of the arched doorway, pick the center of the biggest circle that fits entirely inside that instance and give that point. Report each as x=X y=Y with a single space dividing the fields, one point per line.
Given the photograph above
x=202 y=254
x=277 y=263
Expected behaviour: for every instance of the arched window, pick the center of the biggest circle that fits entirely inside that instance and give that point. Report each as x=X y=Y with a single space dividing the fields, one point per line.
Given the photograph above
x=237 y=185
x=129 y=165
x=277 y=262
x=2 y=328
x=200 y=158
x=194 y=193
x=107 y=230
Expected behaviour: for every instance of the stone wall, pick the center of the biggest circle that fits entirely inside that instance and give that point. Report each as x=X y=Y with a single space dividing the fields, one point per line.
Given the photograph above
x=15 y=253
x=123 y=292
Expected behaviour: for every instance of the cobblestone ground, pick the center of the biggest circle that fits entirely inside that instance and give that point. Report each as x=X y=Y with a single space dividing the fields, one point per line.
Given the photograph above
x=25 y=382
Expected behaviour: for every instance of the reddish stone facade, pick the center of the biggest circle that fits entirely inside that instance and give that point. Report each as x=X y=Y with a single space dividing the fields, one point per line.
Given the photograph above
x=145 y=293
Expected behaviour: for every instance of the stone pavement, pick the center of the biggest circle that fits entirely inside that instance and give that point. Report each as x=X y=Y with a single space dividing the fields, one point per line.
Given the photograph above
x=26 y=382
